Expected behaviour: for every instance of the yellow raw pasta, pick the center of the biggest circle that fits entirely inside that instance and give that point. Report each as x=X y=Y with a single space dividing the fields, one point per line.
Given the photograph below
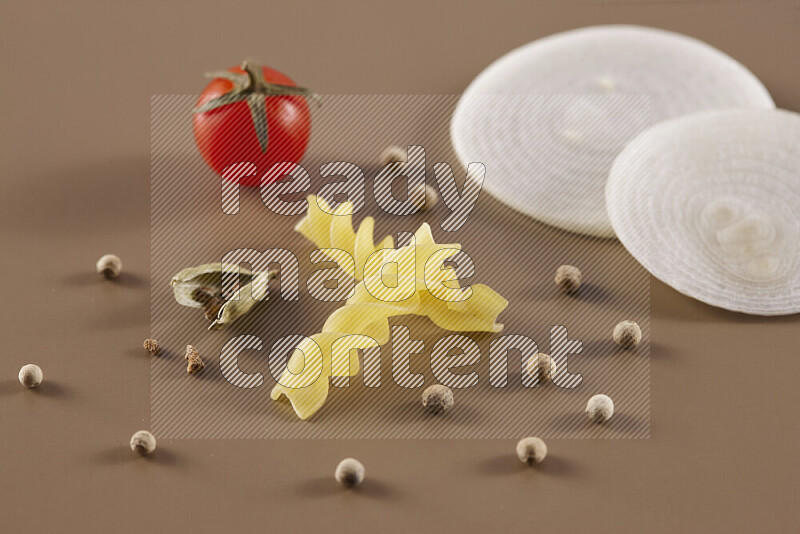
x=363 y=321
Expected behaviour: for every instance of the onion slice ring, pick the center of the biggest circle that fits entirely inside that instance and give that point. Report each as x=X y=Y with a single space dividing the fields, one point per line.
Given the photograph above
x=548 y=119
x=710 y=204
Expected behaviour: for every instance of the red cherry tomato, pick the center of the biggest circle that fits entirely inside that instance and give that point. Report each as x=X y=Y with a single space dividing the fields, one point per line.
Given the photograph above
x=228 y=134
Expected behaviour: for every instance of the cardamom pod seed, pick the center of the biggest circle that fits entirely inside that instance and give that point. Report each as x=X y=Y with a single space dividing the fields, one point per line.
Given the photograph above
x=195 y=363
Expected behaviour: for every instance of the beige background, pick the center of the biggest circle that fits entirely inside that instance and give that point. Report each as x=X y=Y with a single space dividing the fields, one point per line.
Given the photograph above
x=76 y=86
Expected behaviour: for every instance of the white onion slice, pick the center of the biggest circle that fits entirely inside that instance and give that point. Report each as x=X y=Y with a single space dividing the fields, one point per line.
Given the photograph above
x=549 y=157
x=710 y=204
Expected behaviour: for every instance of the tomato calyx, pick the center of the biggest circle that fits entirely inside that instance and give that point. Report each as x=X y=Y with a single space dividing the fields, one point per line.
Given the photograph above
x=252 y=88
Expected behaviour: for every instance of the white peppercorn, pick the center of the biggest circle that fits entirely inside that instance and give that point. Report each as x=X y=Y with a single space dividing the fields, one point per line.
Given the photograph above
x=143 y=443
x=531 y=451
x=30 y=375
x=393 y=154
x=424 y=197
x=437 y=399
x=568 y=278
x=627 y=334
x=600 y=408
x=349 y=473
x=109 y=266
x=541 y=366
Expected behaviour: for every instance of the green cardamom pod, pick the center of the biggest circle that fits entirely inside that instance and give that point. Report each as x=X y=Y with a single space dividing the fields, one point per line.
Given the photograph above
x=201 y=287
